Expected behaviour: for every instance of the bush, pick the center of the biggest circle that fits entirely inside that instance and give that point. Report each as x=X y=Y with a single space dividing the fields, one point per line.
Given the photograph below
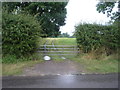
x=20 y=34
x=9 y=59
x=92 y=37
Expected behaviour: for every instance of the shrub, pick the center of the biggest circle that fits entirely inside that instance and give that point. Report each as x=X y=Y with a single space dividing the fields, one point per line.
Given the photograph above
x=20 y=34
x=9 y=59
x=91 y=37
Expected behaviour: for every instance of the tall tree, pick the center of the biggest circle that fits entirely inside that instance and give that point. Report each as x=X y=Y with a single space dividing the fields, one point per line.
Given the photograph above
x=51 y=15
x=107 y=7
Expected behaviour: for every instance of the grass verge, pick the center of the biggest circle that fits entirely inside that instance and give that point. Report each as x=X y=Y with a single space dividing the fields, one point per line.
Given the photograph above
x=11 y=65
x=17 y=68
x=104 y=65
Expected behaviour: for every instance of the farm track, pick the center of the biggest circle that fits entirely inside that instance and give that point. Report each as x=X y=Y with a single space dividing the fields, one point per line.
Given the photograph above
x=52 y=67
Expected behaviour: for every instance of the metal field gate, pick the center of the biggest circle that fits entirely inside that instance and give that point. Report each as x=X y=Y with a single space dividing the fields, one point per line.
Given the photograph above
x=58 y=49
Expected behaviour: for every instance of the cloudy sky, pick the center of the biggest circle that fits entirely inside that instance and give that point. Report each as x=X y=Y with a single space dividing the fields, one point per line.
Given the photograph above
x=82 y=11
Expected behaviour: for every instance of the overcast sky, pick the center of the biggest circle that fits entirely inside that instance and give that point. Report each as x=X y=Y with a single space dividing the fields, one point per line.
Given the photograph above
x=82 y=11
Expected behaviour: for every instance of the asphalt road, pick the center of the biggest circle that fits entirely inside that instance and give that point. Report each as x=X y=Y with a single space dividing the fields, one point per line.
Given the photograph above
x=61 y=81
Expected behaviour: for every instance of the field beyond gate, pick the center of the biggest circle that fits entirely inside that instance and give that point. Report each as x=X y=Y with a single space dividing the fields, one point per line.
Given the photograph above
x=59 y=46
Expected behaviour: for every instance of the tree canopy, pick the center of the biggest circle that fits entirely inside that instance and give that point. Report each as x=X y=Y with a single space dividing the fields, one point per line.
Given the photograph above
x=107 y=7
x=51 y=15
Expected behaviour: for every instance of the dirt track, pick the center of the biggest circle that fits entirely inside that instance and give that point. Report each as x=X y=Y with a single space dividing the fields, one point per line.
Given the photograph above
x=53 y=68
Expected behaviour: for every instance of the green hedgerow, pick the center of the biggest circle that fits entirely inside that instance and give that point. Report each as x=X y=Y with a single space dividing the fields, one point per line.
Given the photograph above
x=92 y=37
x=19 y=34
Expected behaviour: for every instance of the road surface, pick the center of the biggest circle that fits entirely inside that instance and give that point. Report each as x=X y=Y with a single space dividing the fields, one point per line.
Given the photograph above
x=62 y=81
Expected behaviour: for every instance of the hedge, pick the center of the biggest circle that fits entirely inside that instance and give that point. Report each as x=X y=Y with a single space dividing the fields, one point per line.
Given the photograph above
x=19 y=34
x=92 y=37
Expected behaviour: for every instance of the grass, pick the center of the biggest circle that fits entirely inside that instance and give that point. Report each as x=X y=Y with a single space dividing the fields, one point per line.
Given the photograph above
x=17 y=68
x=14 y=66
x=63 y=41
x=105 y=65
x=57 y=58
